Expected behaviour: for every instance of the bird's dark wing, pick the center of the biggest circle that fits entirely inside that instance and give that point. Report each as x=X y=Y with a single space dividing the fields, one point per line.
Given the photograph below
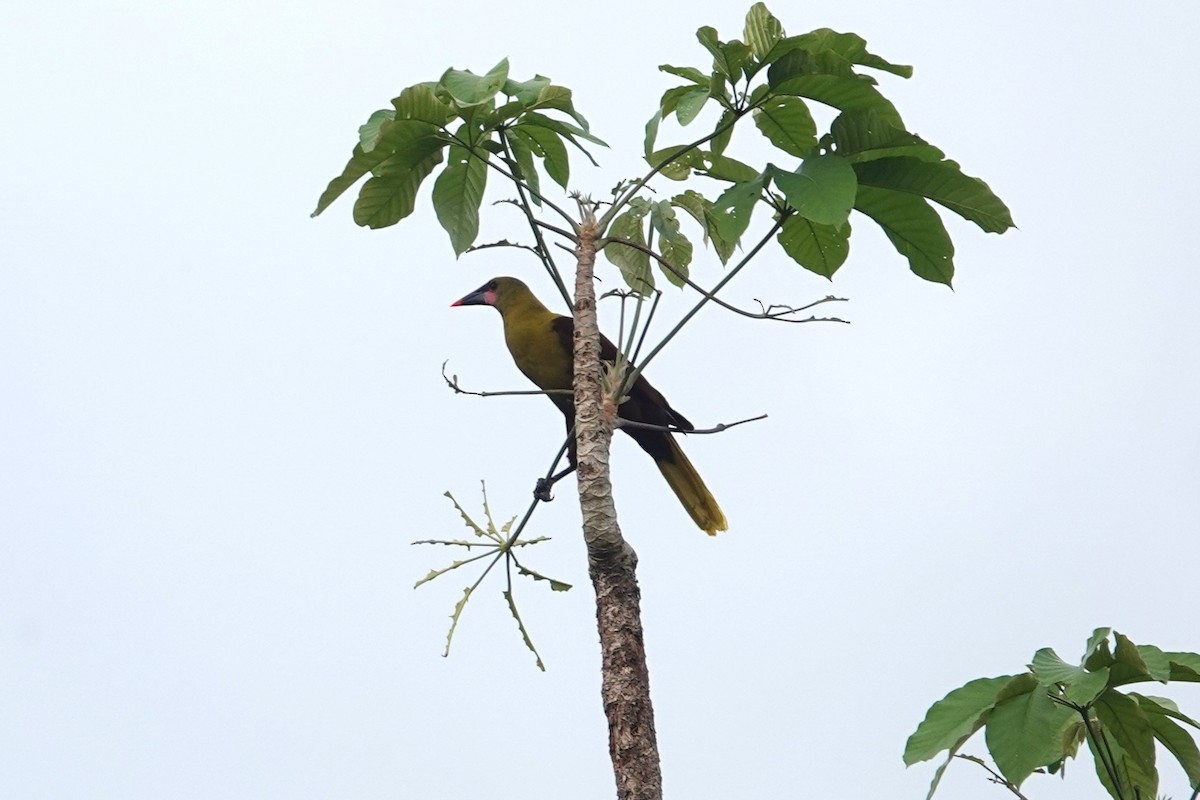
x=644 y=403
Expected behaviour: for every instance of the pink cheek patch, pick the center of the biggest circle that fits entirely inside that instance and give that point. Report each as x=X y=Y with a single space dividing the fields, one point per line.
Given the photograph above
x=489 y=297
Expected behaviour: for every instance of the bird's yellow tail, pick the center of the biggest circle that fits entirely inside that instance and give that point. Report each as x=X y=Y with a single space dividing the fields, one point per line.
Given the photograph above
x=688 y=486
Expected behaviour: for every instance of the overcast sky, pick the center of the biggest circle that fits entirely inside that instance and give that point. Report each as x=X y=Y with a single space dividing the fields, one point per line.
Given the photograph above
x=222 y=422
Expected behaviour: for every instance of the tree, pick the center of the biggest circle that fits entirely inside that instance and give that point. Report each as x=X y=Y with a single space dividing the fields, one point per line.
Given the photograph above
x=866 y=161
x=1034 y=721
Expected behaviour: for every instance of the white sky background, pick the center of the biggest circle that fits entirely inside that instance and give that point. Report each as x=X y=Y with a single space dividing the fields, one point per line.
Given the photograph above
x=221 y=422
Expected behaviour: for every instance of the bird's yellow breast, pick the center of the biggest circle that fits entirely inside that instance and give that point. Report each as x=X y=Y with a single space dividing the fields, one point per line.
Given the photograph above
x=537 y=349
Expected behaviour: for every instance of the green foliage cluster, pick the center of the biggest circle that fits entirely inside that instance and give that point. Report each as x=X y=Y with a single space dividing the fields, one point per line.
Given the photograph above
x=1035 y=721
x=460 y=120
x=868 y=161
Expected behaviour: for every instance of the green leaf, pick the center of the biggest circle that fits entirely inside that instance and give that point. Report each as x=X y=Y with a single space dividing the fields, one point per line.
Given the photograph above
x=849 y=46
x=1098 y=639
x=420 y=103
x=368 y=133
x=1180 y=744
x=707 y=36
x=1081 y=686
x=822 y=189
x=555 y=585
x=454 y=617
x=547 y=146
x=865 y=135
x=1025 y=732
x=1184 y=666
x=386 y=200
x=699 y=208
x=734 y=207
x=914 y=229
x=675 y=248
x=724 y=248
x=762 y=30
x=690 y=73
x=818 y=248
x=672 y=97
x=526 y=170
x=719 y=142
x=526 y=92
x=942 y=182
x=1098 y=654
x=724 y=168
x=676 y=168
x=1158 y=665
x=469 y=89
x=560 y=98
x=1163 y=705
x=512 y=606
x=633 y=263
x=564 y=129
x=792 y=76
x=690 y=103
x=1127 y=731
x=788 y=124
x=1123 y=717
x=652 y=133
x=457 y=195
x=360 y=164
x=1129 y=666
x=728 y=57
x=693 y=203
x=391 y=195
x=1174 y=738
x=954 y=718
x=399 y=146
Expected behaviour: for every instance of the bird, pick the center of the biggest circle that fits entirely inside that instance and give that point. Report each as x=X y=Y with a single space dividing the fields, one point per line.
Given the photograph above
x=541 y=344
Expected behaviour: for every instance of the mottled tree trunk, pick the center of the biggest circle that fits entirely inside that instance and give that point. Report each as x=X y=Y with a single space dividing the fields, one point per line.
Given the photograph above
x=625 y=687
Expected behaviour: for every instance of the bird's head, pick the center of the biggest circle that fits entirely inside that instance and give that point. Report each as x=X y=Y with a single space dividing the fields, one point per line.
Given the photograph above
x=500 y=292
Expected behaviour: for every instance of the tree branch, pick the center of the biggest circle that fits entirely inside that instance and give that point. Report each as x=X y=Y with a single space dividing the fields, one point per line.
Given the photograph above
x=996 y=776
x=775 y=311
x=526 y=208
x=719 y=428
x=623 y=199
x=633 y=374
x=504 y=243
x=452 y=382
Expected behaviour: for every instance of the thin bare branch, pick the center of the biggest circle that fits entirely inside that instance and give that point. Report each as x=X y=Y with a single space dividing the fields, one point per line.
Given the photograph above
x=724 y=426
x=527 y=210
x=504 y=243
x=452 y=382
x=746 y=259
x=775 y=312
x=996 y=776
x=566 y=234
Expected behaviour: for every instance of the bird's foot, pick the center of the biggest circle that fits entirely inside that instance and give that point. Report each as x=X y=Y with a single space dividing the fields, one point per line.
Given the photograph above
x=542 y=490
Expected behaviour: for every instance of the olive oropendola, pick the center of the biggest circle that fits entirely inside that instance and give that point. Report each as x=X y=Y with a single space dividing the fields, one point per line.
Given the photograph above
x=541 y=343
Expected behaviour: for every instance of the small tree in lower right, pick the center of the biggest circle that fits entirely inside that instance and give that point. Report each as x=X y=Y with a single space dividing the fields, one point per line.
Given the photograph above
x=1035 y=721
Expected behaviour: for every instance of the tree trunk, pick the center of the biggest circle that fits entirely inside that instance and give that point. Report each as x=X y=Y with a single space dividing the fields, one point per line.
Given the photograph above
x=625 y=687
